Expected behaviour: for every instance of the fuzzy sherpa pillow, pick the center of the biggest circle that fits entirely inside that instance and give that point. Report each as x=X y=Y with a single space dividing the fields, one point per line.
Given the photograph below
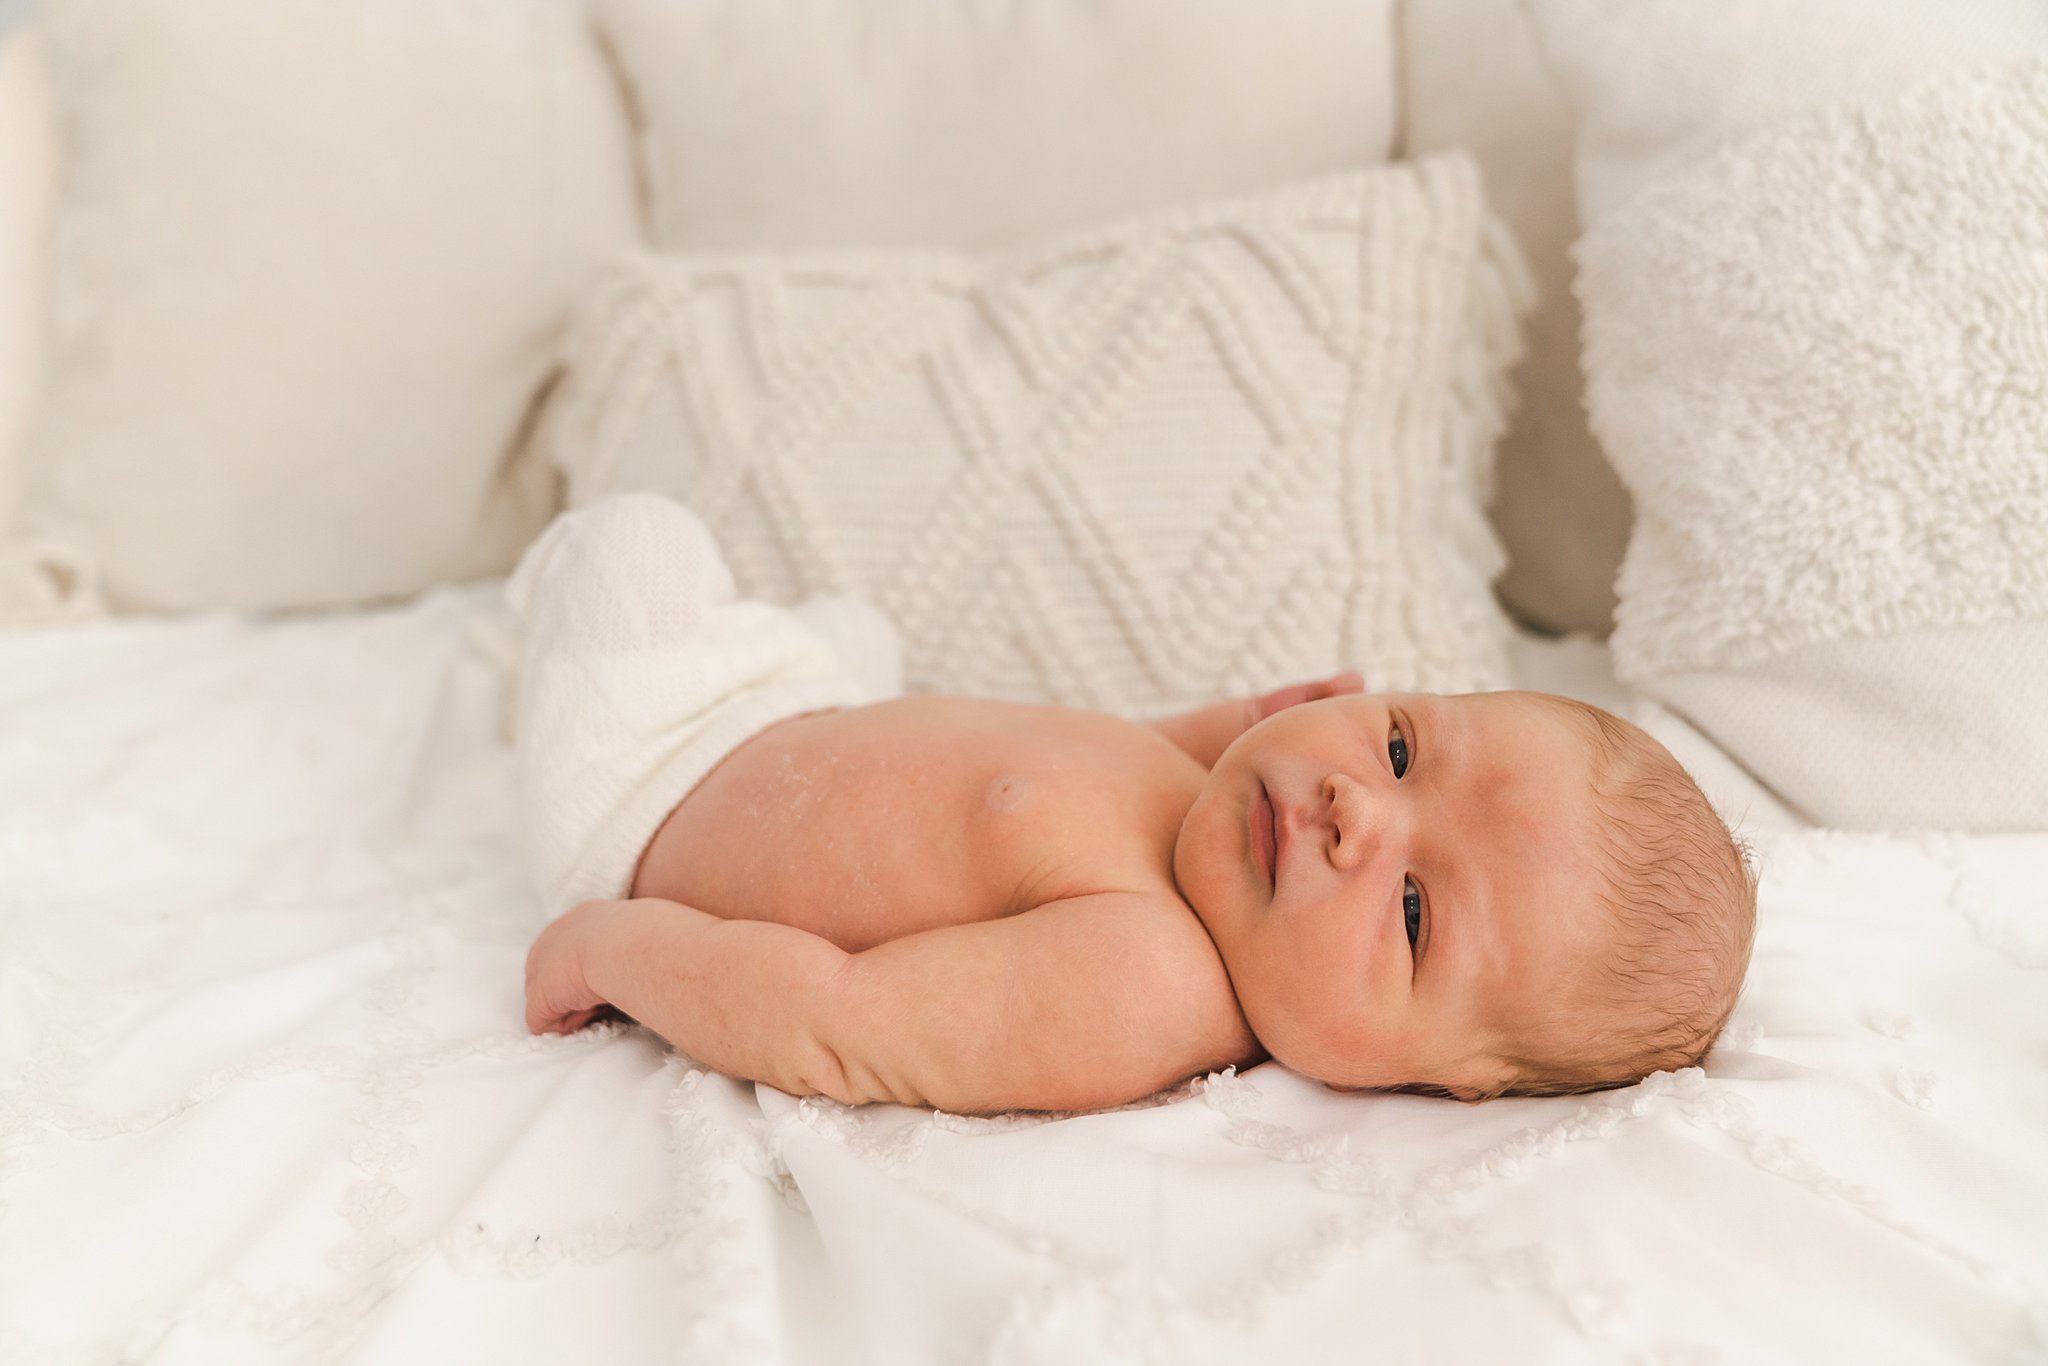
x=1197 y=453
x=1814 y=352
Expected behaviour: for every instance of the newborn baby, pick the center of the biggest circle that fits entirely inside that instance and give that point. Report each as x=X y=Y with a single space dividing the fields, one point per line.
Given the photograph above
x=980 y=906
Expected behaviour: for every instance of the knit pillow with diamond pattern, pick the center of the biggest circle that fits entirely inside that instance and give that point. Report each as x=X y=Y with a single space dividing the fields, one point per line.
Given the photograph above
x=1185 y=456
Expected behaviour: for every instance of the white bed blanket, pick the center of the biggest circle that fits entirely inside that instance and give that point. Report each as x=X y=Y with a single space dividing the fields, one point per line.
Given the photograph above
x=265 y=1097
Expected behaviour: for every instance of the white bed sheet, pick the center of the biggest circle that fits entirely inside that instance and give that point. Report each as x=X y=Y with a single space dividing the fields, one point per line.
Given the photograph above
x=265 y=1096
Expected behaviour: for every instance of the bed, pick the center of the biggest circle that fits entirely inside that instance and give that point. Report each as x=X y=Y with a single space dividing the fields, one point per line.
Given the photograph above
x=265 y=1090
x=268 y=1096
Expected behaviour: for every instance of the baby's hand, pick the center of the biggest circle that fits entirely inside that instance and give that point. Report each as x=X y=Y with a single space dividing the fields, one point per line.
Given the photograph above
x=1203 y=734
x=1280 y=699
x=558 y=995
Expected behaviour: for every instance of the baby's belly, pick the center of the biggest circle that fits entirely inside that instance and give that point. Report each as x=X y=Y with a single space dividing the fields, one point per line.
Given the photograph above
x=865 y=825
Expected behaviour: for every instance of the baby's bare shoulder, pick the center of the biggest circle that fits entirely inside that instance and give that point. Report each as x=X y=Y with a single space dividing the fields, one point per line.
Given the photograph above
x=1148 y=951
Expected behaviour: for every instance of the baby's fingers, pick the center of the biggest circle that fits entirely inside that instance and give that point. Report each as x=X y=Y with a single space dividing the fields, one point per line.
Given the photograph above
x=557 y=1022
x=558 y=999
x=1280 y=699
x=552 y=1013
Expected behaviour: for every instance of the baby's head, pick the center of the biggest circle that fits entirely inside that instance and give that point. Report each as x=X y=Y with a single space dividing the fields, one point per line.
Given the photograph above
x=1487 y=894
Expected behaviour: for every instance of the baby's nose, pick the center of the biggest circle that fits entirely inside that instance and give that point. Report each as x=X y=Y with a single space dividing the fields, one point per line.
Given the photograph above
x=1350 y=816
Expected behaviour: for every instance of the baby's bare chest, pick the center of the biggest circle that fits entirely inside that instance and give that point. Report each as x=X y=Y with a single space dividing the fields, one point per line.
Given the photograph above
x=868 y=824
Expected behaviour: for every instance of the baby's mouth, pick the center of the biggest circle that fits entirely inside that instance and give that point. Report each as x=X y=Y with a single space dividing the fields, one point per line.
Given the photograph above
x=1266 y=839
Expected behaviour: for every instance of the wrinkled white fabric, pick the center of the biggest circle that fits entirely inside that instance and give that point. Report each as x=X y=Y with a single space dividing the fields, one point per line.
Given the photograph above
x=265 y=1097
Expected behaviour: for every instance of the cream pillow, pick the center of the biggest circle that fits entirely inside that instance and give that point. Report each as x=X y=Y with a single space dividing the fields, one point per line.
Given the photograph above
x=1659 y=85
x=27 y=171
x=1475 y=76
x=309 y=261
x=1813 y=351
x=972 y=124
x=1197 y=453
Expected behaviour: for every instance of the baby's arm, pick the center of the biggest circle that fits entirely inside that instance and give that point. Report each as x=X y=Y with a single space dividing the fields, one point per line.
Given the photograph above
x=1203 y=734
x=1074 y=1005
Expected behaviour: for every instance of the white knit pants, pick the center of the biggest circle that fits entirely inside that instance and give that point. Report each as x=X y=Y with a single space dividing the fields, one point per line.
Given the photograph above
x=639 y=670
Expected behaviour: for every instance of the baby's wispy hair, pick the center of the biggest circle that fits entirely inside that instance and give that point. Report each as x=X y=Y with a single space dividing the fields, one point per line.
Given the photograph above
x=1679 y=889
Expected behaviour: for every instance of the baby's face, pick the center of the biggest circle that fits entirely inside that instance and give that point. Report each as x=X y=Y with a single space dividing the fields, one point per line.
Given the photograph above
x=1394 y=880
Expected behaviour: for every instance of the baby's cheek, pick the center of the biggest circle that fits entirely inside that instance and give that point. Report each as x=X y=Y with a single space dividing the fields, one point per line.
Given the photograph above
x=1195 y=852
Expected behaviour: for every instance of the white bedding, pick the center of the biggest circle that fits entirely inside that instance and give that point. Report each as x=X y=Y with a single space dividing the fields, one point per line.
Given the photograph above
x=265 y=1097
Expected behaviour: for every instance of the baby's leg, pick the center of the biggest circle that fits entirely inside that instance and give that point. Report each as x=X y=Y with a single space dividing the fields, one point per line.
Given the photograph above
x=639 y=671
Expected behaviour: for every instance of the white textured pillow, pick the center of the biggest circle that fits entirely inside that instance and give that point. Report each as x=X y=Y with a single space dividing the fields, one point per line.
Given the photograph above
x=309 y=261
x=1814 y=353
x=1192 y=454
x=1660 y=85
x=977 y=124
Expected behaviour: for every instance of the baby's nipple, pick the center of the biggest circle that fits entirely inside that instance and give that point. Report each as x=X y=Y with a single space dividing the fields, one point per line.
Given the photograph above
x=1006 y=792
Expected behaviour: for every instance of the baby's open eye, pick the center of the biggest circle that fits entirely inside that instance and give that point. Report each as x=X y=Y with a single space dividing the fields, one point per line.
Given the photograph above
x=1397 y=750
x=1411 y=910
